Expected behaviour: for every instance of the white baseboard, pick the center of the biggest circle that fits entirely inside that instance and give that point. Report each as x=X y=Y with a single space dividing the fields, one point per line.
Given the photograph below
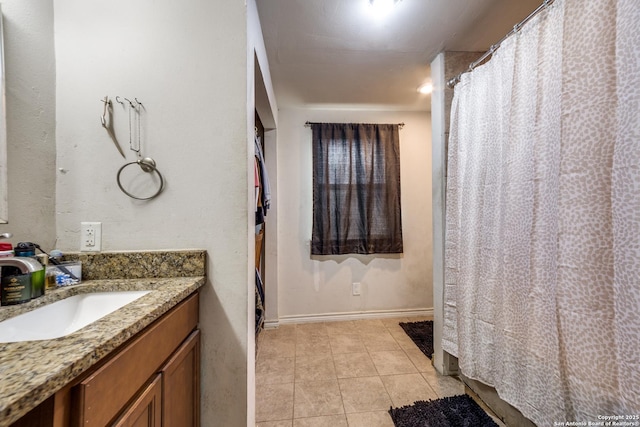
x=271 y=324
x=356 y=315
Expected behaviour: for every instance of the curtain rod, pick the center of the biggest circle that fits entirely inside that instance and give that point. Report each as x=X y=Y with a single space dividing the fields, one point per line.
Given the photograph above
x=455 y=80
x=308 y=124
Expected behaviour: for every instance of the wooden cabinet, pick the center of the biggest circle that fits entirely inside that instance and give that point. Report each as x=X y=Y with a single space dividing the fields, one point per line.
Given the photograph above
x=151 y=380
x=146 y=410
x=102 y=395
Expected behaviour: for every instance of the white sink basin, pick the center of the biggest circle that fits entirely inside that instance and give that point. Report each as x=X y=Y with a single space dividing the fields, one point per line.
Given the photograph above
x=64 y=317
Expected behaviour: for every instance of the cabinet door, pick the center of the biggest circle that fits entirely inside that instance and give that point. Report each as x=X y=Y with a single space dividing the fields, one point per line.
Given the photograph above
x=181 y=385
x=146 y=410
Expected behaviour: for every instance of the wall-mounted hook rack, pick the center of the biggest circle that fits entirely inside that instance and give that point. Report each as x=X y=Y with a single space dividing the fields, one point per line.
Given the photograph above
x=147 y=164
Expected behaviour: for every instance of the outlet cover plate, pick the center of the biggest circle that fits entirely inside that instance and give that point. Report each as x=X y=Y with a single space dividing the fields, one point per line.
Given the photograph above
x=91 y=236
x=356 y=288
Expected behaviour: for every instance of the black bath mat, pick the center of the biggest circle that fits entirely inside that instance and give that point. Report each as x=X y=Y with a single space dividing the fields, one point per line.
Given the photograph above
x=422 y=334
x=455 y=411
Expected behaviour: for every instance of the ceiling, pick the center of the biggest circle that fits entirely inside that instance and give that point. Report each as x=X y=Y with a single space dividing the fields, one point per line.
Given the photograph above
x=335 y=54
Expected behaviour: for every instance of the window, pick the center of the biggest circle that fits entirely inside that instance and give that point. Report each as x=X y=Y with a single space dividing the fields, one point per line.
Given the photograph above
x=356 y=189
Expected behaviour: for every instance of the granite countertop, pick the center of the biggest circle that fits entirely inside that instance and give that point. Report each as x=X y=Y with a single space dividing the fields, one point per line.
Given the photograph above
x=31 y=371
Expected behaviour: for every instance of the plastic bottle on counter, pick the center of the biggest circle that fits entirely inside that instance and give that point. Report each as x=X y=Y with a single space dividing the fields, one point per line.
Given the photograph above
x=28 y=249
x=25 y=249
x=6 y=250
x=55 y=256
x=15 y=287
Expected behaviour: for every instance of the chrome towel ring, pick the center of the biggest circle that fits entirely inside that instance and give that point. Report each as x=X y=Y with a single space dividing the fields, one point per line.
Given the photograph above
x=148 y=165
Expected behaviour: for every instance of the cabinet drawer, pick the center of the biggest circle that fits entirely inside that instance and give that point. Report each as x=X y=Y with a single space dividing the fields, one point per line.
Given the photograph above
x=102 y=395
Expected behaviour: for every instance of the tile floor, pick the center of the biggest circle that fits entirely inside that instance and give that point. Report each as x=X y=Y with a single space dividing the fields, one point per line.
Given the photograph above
x=342 y=374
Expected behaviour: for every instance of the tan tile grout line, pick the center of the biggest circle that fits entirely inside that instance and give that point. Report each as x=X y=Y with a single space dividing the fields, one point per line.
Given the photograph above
x=376 y=368
x=380 y=376
x=333 y=361
x=414 y=364
x=294 y=378
x=404 y=351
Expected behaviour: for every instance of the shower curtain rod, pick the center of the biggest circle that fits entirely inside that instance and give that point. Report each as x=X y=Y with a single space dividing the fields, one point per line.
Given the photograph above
x=308 y=124
x=452 y=82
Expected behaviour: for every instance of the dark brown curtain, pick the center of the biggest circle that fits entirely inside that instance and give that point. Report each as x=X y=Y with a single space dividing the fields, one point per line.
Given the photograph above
x=356 y=189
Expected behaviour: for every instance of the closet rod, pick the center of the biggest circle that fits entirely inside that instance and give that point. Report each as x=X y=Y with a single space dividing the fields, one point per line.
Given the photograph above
x=308 y=124
x=455 y=80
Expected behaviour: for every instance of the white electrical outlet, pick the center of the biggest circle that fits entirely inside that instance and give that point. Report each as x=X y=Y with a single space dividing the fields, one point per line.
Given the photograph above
x=355 y=288
x=91 y=236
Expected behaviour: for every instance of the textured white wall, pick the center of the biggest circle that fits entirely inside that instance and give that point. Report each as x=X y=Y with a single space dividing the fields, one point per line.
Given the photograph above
x=308 y=287
x=30 y=105
x=261 y=98
x=439 y=158
x=187 y=63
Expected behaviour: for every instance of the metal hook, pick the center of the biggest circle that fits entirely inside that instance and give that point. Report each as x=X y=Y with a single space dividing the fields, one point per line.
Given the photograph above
x=118 y=100
x=130 y=103
x=103 y=119
x=139 y=103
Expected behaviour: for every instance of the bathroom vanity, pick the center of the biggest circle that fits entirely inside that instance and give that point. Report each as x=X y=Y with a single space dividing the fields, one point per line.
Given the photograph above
x=136 y=366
